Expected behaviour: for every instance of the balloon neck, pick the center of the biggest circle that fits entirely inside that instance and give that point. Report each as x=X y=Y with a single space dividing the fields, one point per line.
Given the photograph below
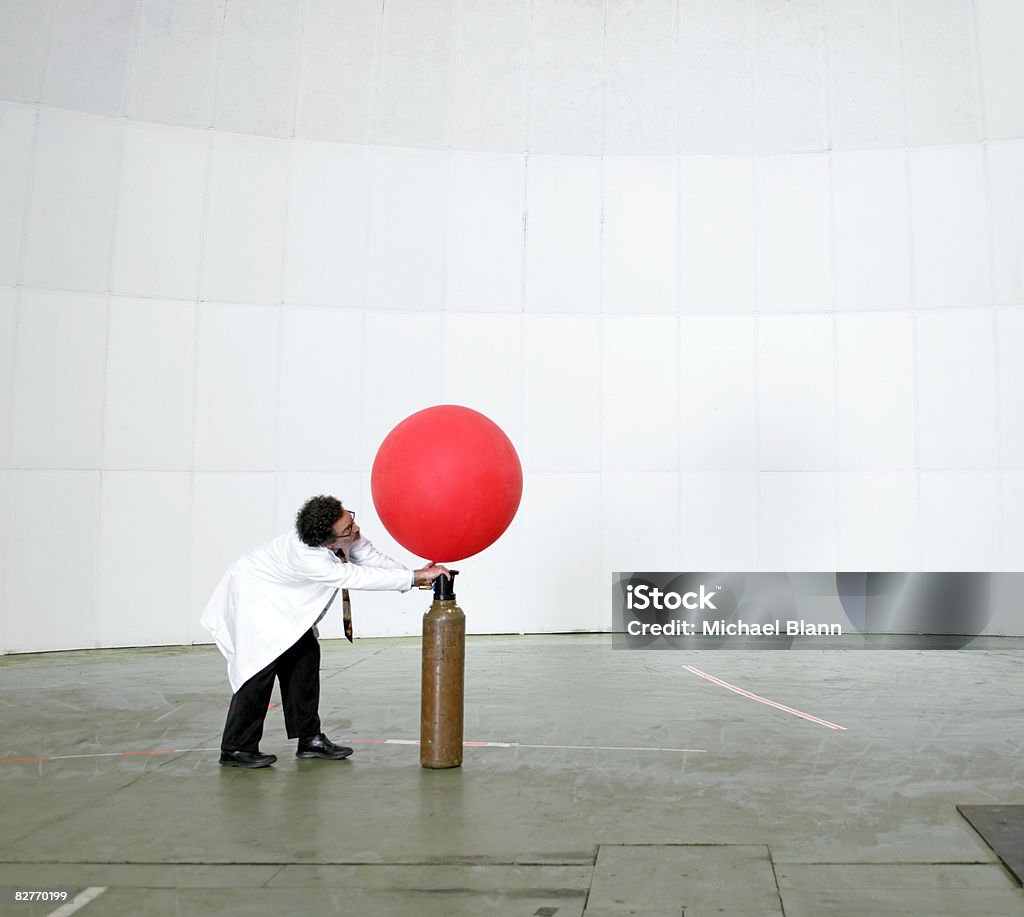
x=444 y=587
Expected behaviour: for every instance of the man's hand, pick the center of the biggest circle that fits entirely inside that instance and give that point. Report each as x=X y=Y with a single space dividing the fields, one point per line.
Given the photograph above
x=430 y=573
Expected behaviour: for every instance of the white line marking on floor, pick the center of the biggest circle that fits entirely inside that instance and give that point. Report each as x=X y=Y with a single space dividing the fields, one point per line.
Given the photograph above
x=182 y=751
x=763 y=700
x=110 y=754
x=79 y=901
x=569 y=747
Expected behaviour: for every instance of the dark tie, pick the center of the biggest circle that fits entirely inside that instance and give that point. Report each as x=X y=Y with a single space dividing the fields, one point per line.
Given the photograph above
x=346 y=603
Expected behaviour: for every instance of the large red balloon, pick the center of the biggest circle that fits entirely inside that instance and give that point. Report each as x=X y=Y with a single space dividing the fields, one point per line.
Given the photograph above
x=446 y=483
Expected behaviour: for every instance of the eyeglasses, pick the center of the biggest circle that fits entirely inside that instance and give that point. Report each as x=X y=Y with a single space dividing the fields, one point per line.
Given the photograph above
x=348 y=529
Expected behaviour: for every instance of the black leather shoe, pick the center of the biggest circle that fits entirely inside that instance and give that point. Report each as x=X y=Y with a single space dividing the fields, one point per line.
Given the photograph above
x=246 y=759
x=319 y=746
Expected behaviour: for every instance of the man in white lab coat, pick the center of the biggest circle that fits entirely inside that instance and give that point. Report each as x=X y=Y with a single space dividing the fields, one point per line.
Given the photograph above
x=263 y=616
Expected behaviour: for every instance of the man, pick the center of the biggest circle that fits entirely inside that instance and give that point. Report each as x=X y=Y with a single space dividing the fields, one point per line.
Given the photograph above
x=263 y=615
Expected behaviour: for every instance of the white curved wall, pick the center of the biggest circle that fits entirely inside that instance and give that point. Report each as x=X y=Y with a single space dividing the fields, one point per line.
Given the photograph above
x=742 y=280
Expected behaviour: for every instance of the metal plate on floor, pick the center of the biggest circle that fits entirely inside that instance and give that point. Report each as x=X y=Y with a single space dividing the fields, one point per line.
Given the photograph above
x=1002 y=828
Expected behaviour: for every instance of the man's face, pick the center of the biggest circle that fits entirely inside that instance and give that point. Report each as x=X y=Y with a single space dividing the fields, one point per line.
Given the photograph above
x=345 y=531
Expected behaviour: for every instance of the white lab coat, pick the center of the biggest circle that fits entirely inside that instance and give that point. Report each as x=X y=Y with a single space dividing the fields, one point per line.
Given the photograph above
x=270 y=597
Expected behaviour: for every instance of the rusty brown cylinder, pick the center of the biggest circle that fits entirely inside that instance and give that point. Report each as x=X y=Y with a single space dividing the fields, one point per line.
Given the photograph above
x=444 y=656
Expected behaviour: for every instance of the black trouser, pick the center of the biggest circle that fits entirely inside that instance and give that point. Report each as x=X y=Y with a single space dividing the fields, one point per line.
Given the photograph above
x=298 y=670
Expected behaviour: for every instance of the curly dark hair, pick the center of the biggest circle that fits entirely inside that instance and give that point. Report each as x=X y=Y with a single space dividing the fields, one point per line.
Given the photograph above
x=315 y=520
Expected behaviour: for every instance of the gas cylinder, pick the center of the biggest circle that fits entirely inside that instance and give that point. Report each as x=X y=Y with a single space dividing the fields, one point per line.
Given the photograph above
x=444 y=656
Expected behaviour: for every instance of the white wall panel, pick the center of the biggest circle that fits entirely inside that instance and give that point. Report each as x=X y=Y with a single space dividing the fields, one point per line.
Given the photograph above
x=798 y=521
x=716 y=68
x=412 y=105
x=640 y=75
x=789 y=75
x=8 y=333
x=484 y=247
x=561 y=393
x=561 y=513
x=145 y=558
x=243 y=254
x=959 y=520
x=392 y=614
x=1006 y=199
x=796 y=387
x=563 y=234
x=17 y=134
x=878 y=522
x=1000 y=24
x=865 y=76
x=401 y=375
x=950 y=226
x=490 y=75
x=1010 y=346
x=567 y=76
x=483 y=368
x=407 y=225
x=259 y=67
x=238 y=388
x=489 y=610
x=150 y=402
x=718 y=521
x=794 y=272
x=640 y=221
x=871 y=222
x=755 y=324
x=640 y=524
x=939 y=70
x=1012 y=507
x=6 y=536
x=90 y=52
x=74 y=194
x=231 y=515
x=59 y=361
x=321 y=389
x=875 y=382
x=48 y=611
x=328 y=225
x=716 y=234
x=387 y=614
x=718 y=393
x=339 y=70
x=956 y=389
x=296 y=487
x=160 y=212
x=174 y=70
x=24 y=40
x=640 y=393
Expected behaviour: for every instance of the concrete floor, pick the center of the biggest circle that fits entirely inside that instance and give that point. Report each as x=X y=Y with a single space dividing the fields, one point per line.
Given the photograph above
x=636 y=786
